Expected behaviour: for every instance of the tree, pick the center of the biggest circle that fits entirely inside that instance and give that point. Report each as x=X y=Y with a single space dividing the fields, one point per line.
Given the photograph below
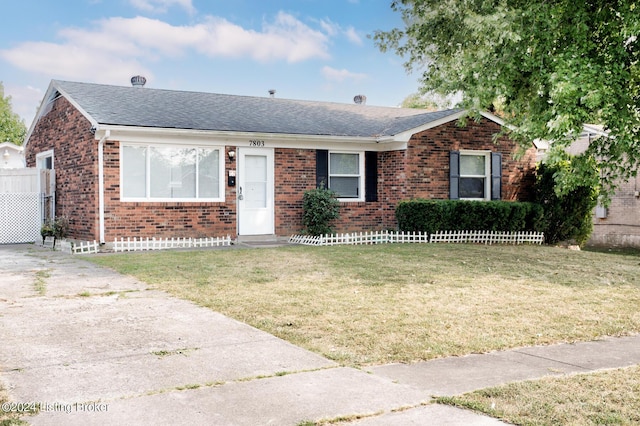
x=12 y=127
x=552 y=65
x=431 y=102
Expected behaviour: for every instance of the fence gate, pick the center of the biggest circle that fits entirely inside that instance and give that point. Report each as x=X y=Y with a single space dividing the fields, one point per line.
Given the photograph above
x=27 y=197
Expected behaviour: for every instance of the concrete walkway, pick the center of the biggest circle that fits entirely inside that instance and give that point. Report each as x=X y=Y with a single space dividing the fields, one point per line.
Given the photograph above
x=98 y=348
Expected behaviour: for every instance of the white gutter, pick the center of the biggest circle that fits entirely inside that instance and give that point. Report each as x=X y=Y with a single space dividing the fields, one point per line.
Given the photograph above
x=106 y=136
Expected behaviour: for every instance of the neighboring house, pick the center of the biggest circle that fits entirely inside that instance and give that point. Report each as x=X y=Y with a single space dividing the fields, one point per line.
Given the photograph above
x=11 y=156
x=618 y=224
x=140 y=162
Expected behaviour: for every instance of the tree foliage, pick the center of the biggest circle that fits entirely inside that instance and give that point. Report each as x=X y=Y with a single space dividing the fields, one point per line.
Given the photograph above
x=12 y=127
x=553 y=65
x=567 y=215
x=431 y=102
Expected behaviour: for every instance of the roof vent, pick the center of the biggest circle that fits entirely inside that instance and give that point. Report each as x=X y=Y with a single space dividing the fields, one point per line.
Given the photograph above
x=138 y=81
x=360 y=99
x=272 y=93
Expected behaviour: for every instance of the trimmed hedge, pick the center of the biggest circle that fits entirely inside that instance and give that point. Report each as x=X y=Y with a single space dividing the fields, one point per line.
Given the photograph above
x=454 y=215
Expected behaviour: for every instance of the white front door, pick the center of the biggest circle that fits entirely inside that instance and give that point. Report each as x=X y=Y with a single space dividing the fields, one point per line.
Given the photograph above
x=255 y=191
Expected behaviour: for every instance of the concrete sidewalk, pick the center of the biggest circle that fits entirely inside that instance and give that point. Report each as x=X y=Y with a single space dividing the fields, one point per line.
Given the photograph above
x=99 y=348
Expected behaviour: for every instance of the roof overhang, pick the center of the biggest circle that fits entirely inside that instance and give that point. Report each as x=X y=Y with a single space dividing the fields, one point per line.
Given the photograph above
x=214 y=137
x=406 y=135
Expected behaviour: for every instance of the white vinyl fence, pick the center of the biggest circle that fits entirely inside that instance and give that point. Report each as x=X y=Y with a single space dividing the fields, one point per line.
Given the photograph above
x=19 y=217
x=384 y=237
x=134 y=244
x=22 y=197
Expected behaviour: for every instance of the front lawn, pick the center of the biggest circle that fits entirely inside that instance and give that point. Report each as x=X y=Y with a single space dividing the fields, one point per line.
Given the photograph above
x=604 y=398
x=365 y=305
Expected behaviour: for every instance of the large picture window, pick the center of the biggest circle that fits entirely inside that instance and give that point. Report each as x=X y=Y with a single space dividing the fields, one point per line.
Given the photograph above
x=157 y=172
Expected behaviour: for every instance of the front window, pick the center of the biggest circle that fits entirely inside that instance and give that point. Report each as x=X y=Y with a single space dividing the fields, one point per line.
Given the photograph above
x=156 y=172
x=474 y=176
x=345 y=174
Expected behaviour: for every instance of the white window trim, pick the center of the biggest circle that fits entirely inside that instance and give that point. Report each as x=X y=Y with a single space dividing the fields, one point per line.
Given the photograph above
x=486 y=176
x=149 y=199
x=42 y=155
x=361 y=189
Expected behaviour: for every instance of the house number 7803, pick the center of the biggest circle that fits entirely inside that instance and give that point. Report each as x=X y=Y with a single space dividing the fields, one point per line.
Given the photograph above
x=255 y=142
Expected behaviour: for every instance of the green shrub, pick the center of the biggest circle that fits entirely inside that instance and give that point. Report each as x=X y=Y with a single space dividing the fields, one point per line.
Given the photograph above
x=453 y=215
x=568 y=215
x=58 y=228
x=320 y=207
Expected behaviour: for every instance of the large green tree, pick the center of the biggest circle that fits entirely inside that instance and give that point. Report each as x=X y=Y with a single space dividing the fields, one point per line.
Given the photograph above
x=12 y=127
x=551 y=65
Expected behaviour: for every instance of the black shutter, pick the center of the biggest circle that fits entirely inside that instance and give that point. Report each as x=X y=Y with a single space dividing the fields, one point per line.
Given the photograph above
x=496 y=175
x=370 y=176
x=454 y=175
x=322 y=168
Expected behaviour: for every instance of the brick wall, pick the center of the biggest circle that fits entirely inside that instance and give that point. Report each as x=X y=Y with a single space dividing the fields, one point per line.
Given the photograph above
x=421 y=171
x=621 y=227
x=66 y=131
x=163 y=219
x=427 y=171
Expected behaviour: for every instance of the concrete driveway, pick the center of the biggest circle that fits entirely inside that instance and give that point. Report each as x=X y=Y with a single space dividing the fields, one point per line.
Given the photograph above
x=94 y=347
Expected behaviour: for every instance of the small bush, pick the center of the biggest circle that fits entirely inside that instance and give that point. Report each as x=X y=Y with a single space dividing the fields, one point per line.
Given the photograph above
x=320 y=207
x=58 y=228
x=452 y=215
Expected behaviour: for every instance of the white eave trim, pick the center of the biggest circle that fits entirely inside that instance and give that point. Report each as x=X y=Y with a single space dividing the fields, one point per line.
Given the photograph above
x=276 y=140
x=406 y=135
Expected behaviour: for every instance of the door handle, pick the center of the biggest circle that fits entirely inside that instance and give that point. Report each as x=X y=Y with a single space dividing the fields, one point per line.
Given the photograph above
x=240 y=196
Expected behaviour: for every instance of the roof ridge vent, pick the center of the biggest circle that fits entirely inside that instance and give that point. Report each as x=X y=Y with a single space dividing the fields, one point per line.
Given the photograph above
x=138 y=81
x=360 y=99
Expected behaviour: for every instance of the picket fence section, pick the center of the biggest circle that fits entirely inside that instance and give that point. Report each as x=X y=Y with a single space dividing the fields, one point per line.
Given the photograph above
x=168 y=243
x=385 y=237
x=487 y=237
x=355 y=238
x=82 y=247
x=71 y=247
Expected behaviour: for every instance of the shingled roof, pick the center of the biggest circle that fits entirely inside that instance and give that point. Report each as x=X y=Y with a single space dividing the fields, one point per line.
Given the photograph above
x=156 y=108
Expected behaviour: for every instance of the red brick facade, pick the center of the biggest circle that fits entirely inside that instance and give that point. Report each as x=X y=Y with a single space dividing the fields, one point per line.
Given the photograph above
x=420 y=171
x=75 y=154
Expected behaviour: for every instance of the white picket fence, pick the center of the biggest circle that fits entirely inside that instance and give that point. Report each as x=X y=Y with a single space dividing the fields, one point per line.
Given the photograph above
x=355 y=238
x=385 y=237
x=168 y=243
x=487 y=237
x=82 y=247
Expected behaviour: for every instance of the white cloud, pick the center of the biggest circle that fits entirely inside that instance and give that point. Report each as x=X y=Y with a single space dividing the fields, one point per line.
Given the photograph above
x=24 y=100
x=115 y=48
x=353 y=36
x=339 y=76
x=162 y=6
x=329 y=27
x=77 y=62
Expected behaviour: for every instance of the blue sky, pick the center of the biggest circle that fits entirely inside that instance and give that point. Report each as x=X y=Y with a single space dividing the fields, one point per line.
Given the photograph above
x=304 y=49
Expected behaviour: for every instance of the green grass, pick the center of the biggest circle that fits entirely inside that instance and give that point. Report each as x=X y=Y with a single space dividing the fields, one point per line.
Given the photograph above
x=40 y=283
x=365 y=305
x=604 y=398
x=9 y=418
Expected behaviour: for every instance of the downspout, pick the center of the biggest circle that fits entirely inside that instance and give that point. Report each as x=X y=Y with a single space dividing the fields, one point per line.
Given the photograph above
x=106 y=136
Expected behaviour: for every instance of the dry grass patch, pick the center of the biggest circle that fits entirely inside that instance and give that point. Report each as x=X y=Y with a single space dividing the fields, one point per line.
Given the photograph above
x=8 y=416
x=603 y=398
x=367 y=305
